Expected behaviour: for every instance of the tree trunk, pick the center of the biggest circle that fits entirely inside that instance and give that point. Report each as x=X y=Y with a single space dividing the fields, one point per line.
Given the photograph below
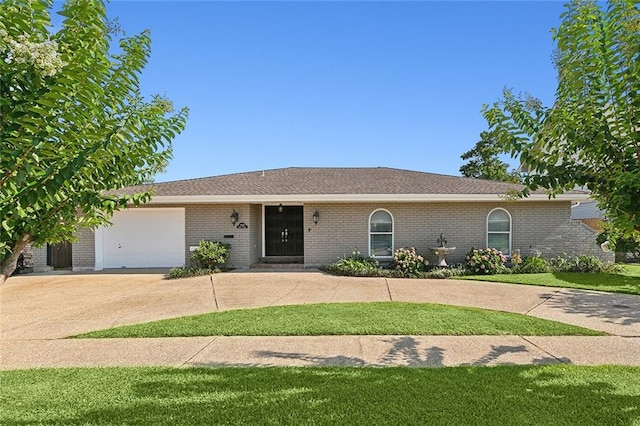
x=8 y=264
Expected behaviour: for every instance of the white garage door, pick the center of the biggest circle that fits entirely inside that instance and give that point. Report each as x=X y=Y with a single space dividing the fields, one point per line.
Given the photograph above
x=145 y=238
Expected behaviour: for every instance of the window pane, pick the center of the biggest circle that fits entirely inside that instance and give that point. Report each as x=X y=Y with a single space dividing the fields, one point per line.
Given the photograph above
x=499 y=242
x=381 y=222
x=381 y=245
x=499 y=221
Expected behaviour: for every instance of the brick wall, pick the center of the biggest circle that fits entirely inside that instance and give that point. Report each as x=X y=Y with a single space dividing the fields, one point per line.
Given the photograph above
x=83 y=251
x=343 y=227
x=255 y=233
x=536 y=226
x=39 y=259
x=213 y=222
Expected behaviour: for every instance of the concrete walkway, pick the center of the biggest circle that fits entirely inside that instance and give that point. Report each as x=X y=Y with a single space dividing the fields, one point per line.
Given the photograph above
x=38 y=312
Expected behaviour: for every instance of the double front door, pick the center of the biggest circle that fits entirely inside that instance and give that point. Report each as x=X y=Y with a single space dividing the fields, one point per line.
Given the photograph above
x=284 y=231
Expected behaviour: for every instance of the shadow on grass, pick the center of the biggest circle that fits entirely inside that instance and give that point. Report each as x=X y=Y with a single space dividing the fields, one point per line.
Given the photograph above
x=601 y=282
x=564 y=395
x=614 y=308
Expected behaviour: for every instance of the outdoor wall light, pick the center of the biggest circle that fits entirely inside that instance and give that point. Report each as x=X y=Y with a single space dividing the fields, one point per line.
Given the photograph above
x=280 y=208
x=316 y=217
x=234 y=217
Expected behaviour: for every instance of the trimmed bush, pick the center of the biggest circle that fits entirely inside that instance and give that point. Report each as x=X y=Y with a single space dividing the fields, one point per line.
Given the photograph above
x=211 y=254
x=486 y=261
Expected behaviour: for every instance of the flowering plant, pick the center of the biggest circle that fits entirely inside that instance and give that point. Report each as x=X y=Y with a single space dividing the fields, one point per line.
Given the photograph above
x=409 y=262
x=487 y=261
x=516 y=257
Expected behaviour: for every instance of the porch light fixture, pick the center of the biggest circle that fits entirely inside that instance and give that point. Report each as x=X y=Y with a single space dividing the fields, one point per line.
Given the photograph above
x=280 y=208
x=316 y=217
x=234 y=217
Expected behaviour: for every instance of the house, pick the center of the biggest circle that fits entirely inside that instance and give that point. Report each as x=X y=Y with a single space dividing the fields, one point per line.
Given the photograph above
x=588 y=213
x=312 y=216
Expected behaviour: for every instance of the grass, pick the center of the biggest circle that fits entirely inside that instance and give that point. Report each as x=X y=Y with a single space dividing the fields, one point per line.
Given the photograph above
x=625 y=282
x=382 y=318
x=505 y=395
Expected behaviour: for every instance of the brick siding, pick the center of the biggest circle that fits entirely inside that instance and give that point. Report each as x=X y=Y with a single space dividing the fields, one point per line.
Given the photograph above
x=536 y=226
x=83 y=251
x=543 y=227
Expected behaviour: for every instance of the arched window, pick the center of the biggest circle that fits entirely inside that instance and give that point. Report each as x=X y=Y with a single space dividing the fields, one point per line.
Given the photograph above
x=499 y=231
x=381 y=234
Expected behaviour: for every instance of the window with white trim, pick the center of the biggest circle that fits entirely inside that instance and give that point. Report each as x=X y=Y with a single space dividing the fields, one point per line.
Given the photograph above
x=381 y=234
x=499 y=231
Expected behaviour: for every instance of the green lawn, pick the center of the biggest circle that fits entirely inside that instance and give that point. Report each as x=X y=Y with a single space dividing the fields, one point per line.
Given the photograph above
x=382 y=318
x=626 y=282
x=506 y=395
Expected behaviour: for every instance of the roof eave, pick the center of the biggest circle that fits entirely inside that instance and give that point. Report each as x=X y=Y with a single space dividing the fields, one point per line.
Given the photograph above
x=353 y=198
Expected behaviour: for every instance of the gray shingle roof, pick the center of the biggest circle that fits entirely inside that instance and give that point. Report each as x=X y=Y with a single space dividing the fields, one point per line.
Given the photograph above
x=326 y=181
x=586 y=210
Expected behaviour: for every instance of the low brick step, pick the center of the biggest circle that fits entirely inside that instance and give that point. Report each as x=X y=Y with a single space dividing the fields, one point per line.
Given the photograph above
x=279 y=266
x=280 y=260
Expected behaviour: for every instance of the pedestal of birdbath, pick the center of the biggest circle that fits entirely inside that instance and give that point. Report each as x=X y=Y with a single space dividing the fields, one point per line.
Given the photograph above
x=441 y=253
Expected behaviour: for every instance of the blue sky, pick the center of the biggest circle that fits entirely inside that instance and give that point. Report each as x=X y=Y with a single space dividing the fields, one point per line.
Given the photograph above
x=337 y=84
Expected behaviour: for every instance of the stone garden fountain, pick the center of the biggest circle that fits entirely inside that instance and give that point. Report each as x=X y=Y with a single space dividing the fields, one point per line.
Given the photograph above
x=441 y=252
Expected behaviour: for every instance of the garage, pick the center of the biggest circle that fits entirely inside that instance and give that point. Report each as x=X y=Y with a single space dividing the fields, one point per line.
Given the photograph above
x=142 y=238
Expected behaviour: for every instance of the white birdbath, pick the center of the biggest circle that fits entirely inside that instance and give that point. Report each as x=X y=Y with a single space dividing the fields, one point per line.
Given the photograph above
x=441 y=253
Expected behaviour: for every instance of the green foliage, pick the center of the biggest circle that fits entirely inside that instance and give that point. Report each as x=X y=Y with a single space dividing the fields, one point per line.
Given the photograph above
x=74 y=124
x=532 y=265
x=211 y=254
x=589 y=137
x=568 y=395
x=377 y=318
x=485 y=261
x=484 y=162
x=356 y=265
x=619 y=241
x=617 y=278
x=409 y=263
x=192 y=271
x=586 y=263
x=446 y=272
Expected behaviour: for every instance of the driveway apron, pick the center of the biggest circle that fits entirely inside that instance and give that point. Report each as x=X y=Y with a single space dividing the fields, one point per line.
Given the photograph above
x=37 y=312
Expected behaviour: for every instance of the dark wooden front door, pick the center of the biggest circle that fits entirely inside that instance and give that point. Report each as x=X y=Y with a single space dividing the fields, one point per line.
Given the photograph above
x=59 y=255
x=284 y=231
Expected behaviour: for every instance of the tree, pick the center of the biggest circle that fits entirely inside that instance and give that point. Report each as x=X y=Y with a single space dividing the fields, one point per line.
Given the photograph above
x=618 y=241
x=73 y=124
x=590 y=137
x=484 y=162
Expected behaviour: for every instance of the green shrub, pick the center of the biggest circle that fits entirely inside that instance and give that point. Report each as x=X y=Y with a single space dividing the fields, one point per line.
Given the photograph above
x=535 y=264
x=558 y=264
x=583 y=263
x=486 y=261
x=586 y=263
x=190 y=271
x=446 y=272
x=356 y=265
x=210 y=254
x=409 y=263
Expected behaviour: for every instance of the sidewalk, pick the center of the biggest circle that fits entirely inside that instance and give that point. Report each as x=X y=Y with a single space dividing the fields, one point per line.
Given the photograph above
x=38 y=312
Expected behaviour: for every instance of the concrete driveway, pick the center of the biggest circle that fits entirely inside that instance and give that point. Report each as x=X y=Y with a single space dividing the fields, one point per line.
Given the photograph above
x=36 y=310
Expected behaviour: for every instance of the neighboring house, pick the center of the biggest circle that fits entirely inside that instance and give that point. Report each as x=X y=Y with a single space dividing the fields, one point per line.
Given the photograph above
x=312 y=216
x=588 y=213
